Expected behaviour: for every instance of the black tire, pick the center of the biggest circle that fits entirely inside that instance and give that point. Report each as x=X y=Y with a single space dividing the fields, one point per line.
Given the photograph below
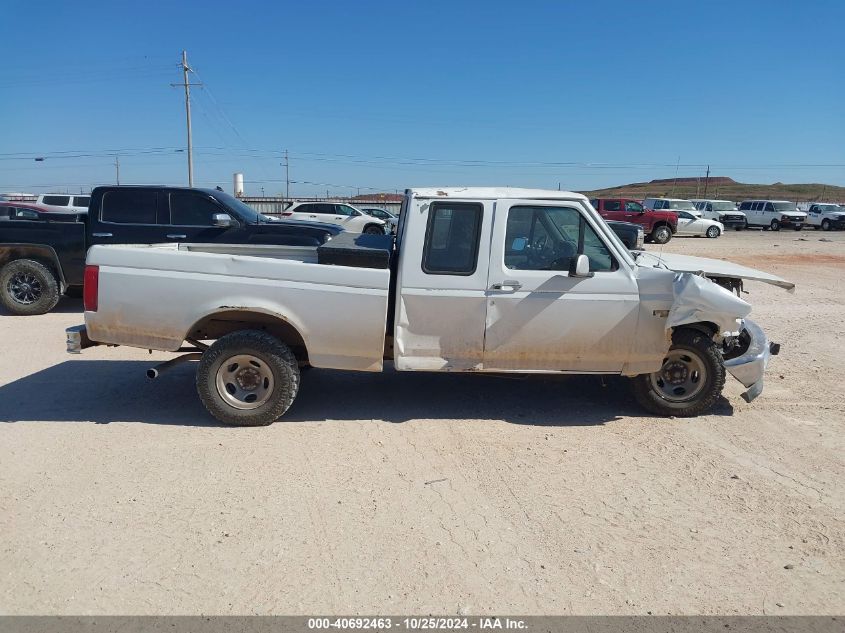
x=271 y=355
x=373 y=229
x=775 y=225
x=711 y=377
x=825 y=225
x=661 y=234
x=799 y=227
x=713 y=232
x=28 y=287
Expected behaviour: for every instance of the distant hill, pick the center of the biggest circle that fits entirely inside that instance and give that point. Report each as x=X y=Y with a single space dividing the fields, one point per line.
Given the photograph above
x=722 y=187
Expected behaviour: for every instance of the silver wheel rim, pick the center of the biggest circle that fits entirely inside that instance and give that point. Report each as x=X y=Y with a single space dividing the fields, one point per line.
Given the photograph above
x=712 y=231
x=24 y=288
x=244 y=381
x=682 y=377
x=662 y=234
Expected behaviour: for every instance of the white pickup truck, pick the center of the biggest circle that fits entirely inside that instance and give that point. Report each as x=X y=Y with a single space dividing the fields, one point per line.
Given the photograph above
x=476 y=280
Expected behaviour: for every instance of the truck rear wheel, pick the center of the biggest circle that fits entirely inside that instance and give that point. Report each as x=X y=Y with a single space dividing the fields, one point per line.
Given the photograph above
x=661 y=234
x=690 y=381
x=248 y=378
x=28 y=287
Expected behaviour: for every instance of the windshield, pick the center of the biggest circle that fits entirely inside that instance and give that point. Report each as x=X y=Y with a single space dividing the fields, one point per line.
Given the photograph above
x=827 y=208
x=244 y=210
x=681 y=205
x=784 y=206
x=724 y=206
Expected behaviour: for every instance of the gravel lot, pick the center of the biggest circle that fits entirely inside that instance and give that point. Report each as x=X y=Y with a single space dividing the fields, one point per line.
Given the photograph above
x=414 y=493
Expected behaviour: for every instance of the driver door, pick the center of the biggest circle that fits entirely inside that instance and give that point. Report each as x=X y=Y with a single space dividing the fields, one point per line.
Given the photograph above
x=538 y=317
x=686 y=223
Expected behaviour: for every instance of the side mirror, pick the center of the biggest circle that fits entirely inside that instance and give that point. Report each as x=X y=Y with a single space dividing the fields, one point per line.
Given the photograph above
x=579 y=266
x=223 y=220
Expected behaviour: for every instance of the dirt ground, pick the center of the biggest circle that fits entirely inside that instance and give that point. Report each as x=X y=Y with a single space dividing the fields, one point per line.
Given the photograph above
x=425 y=493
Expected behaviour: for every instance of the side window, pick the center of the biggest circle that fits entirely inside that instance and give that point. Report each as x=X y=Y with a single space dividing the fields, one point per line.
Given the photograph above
x=81 y=201
x=633 y=207
x=612 y=205
x=323 y=209
x=547 y=238
x=342 y=209
x=745 y=206
x=769 y=207
x=56 y=201
x=451 y=238
x=709 y=207
x=304 y=208
x=129 y=206
x=192 y=209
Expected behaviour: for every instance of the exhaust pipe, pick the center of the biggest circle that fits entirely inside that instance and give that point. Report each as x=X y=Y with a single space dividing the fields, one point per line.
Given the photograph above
x=155 y=372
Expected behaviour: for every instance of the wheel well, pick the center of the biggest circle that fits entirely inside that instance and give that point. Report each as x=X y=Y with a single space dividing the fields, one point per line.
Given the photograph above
x=659 y=224
x=219 y=324
x=705 y=327
x=41 y=254
x=371 y=224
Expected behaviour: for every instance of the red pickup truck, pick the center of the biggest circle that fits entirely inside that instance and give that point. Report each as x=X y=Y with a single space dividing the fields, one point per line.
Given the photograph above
x=658 y=226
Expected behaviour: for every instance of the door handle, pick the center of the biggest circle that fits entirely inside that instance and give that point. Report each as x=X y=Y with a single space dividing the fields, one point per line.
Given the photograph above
x=174 y=236
x=312 y=216
x=338 y=217
x=101 y=234
x=507 y=284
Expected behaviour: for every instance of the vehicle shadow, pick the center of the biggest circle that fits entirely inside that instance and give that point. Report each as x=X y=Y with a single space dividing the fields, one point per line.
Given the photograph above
x=118 y=391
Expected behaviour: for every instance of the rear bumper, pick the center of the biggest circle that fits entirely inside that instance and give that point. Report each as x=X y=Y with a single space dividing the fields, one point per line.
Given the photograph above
x=77 y=339
x=750 y=367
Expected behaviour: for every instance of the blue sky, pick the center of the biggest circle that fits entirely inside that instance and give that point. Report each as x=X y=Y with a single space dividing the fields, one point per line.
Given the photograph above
x=387 y=95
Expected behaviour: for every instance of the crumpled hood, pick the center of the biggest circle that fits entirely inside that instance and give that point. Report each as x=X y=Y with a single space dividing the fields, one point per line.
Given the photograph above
x=711 y=268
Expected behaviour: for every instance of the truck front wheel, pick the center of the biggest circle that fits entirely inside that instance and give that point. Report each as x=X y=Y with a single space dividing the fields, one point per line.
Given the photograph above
x=28 y=287
x=661 y=234
x=248 y=378
x=690 y=381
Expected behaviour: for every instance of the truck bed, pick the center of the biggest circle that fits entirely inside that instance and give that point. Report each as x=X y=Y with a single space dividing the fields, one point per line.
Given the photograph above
x=156 y=296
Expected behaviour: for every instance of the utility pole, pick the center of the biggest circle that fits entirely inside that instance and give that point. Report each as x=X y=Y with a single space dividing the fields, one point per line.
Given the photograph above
x=674 y=182
x=706 y=181
x=117 y=167
x=187 y=86
x=287 y=176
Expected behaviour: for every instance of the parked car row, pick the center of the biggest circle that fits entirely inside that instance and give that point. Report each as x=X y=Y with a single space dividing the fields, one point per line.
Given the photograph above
x=661 y=218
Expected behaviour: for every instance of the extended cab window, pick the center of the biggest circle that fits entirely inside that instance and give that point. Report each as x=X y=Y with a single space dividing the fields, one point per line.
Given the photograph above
x=129 y=206
x=81 y=201
x=192 y=209
x=451 y=238
x=548 y=238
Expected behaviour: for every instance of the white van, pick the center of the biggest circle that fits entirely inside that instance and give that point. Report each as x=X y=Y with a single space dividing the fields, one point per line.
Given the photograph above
x=773 y=214
x=70 y=203
x=723 y=211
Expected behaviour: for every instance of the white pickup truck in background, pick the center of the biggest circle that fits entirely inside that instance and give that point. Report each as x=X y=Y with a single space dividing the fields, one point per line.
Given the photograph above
x=476 y=279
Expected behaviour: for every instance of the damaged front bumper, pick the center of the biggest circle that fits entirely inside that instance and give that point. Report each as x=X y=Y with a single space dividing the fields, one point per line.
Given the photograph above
x=750 y=366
